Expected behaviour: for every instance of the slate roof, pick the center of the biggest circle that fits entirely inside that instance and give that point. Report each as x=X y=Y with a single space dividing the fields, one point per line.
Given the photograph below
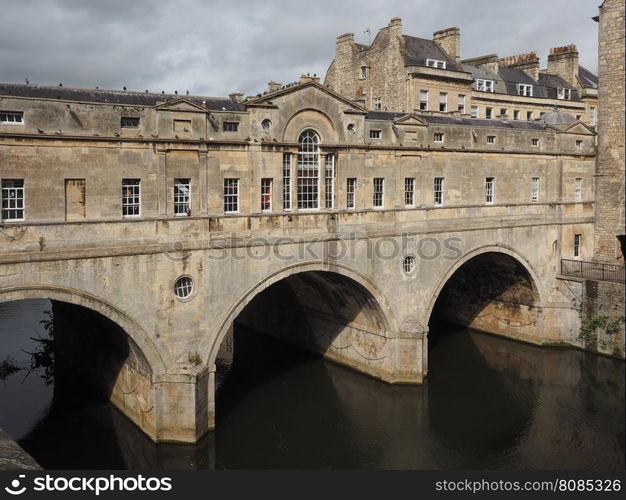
x=417 y=50
x=586 y=78
x=553 y=82
x=486 y=74
x=456 y=120
x=557 y=117
x=114 y=96
x=514 y=76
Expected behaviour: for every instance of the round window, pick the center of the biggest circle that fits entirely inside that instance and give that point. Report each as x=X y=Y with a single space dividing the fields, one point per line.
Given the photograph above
x=408 y=265
x=183 y=287
x=266 y=124
x=351 y=128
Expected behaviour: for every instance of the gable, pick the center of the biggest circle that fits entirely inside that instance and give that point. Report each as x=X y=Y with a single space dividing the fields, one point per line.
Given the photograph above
x=410 y=119
x=578 y=128
x=181 y=104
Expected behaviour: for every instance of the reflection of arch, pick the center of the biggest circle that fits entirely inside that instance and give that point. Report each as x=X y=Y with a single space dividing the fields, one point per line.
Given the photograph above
x=314 y=266
x=80 y=298
x=523 y=262
x=313 y=119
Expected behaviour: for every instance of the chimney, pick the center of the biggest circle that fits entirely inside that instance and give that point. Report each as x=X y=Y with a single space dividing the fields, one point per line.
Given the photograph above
x=395 y=26
x=273 y=86
x=449 y=40
x=563 y=61
x=308 y=78
x=529 y=63
x=490 y=62
x=236 y=96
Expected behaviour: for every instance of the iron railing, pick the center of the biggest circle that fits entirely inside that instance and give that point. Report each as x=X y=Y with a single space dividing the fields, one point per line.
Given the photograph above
x=592 y=270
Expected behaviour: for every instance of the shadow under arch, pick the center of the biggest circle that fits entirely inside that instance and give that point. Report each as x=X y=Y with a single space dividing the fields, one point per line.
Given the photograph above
x=77 y=297
x=368 y=296
x=493 y=289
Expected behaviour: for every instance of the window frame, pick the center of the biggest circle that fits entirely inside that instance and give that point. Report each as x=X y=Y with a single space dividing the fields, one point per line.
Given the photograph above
x=351 y=193
x=438 y=191
x=230 y=127
x=484 y=85
x=6 y=197
x=377 y=103
x=436 y=63
x=135 y=119
x=180 y=204
x=423 y=102
x=460 y=100
x=231 y=193
x=135 y=186
x=490 y=190
x=287 y=181
x=443 y=102
x=525 y=89
x=439 y=137
x=578 y=189
x=376 y=134
x=6 y=121
x=409 y=192
x=491 y=140
x=267 y=185
x=578 y=239
x=535 y=189
x=308 y=161
x=378 y=192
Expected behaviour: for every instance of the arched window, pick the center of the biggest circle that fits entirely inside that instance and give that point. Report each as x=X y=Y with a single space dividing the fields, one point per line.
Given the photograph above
x=308 y=170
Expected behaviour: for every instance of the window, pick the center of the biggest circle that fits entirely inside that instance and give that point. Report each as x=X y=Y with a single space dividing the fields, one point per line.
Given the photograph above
x=489 y=189
x=183 y=287
x=443 y=101
x=516 y=114
x=461 y=103
x=375 y=134
x=329 y=181
x=351 y=128
x=308 y=171
x=231 y=196
x=13 y=117
x=350 y=192
x=230 y=126
x=131 y=197
x=266 y=124
x=129 y=122
x=435 y=63
x=182 y=197
x=534 y=189
x=565 y=94
x=504 y=112
x=363 y=72
x=379 y=187
x=424 y=100
x=578 y=189
x=286 y=181
x=534 y=142
x=182 y=125
x=378 y=103
x=438 y=191
x=489 y=113
x=266 y=195
x=525 y=89
x=592 y=116
x=484 y=85
x=529 y=116
x=408 y=264
x=579 y=143
x=409 y=191
x=491 y=139
x=577 y=241
x=475 y=112
x=438 y=137
x=12 y=199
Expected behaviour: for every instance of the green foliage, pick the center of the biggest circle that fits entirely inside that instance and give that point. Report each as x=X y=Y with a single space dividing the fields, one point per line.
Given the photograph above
x=195 y=358
x=599 y=321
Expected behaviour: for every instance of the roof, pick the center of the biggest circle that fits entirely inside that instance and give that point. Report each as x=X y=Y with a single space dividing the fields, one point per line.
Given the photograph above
x=557 y=117
x=553 y=82
x=514 y=76
x=457 y=120
x=586 y=78
x=417 y=50
x=480 y=72
x=114 y=96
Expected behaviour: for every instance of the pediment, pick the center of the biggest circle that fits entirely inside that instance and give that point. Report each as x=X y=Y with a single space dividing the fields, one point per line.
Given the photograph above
x=577 y=127
x=180 y=104
x=410 y=119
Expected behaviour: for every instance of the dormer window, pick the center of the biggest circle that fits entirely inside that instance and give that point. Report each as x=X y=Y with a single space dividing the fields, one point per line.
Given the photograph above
x=13 y=117
x=435 y=63
x=363 y=72
x=525 y=89
x=484 y=85
x=564 y=94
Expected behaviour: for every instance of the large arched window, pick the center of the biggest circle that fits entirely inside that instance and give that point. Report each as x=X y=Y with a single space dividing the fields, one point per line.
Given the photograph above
x=308 y=170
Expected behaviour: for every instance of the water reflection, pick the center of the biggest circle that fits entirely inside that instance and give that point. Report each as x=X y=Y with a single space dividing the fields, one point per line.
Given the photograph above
x=488 y=403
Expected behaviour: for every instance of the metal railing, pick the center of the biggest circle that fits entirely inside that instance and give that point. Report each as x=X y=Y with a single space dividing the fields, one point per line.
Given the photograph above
x=592 y=270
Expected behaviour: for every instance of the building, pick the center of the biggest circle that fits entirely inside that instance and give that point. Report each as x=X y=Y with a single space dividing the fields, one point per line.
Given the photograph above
x=404 y=73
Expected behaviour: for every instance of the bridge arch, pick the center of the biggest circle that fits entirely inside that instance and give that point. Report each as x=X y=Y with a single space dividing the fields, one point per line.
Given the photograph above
x=504 y=283
x=370 y=297
x=77 y=297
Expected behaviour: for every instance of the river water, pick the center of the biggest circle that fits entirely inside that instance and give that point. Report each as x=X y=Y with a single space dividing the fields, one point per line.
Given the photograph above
x=488 y=403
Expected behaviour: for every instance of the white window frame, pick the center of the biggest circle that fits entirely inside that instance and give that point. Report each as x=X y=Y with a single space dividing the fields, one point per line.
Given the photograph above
x=516 y=114
x=534 y=142
x=329 y=181
x=460 y=99
x=9 y=117
x=525 y=89
x=436 y=63
x=438 y=193
x=378 y=103
x=13 y=201
x=182 y=197
x=266 y=194
x=490 y=190
x=231 y=195
x=423 y=100
x=363 y=72
x=131 y=200
x=535 y=188
x=287 y=181
x=376 y=134
x=475 y=112
x=439 y=137
x=564 y=93
x=578 y=239
x=409 y=192
x=308 y=171
x=351 y=193
x=491 y=139
x=578 y=189
x=378 y=192
x=483 y=85
x=443 y=99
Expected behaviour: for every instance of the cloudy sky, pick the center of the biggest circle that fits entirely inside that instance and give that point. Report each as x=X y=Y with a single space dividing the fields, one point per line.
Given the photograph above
x=215 y=47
